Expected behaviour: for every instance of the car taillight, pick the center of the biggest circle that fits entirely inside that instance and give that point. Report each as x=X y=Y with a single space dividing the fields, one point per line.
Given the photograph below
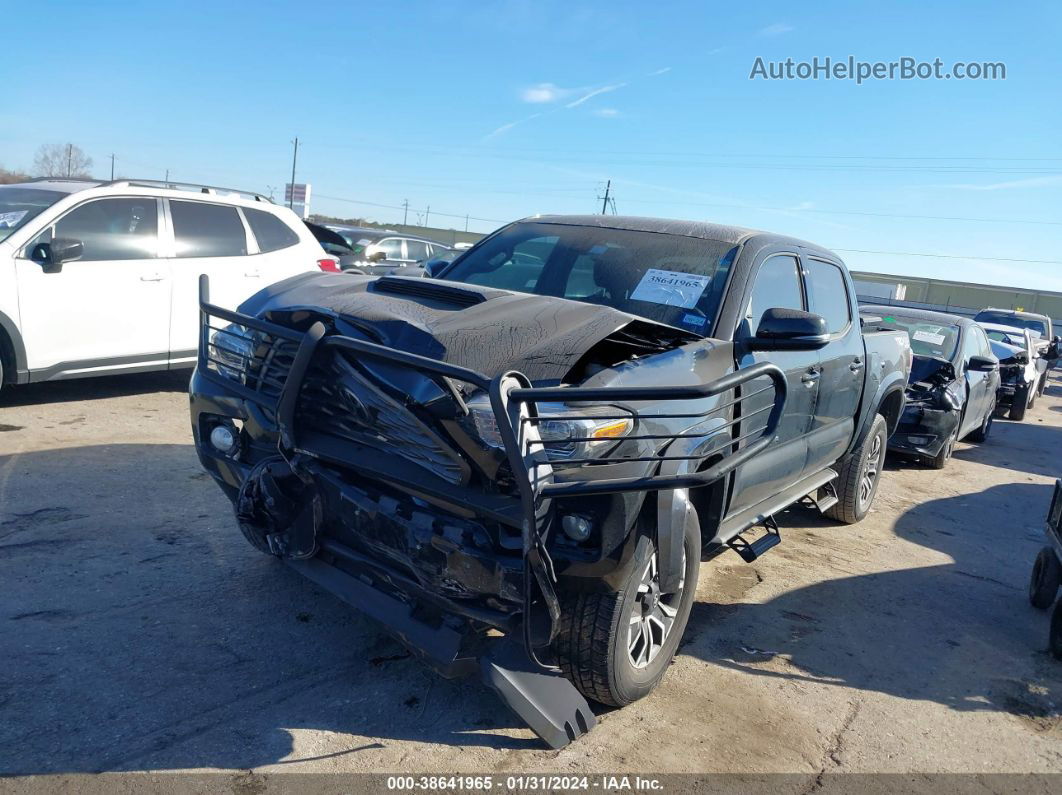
x=330 y=265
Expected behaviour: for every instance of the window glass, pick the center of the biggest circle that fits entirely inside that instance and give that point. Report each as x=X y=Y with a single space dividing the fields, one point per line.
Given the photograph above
x=669 y=278
x=207 y=230
x=416 y=250
x=971 y=346
x=110 y=229
x=271 y=233
x=777 y=286
x=18 y=206
x=928 y=337
x=1006 y=319
x=827 y=294
x=391 y=247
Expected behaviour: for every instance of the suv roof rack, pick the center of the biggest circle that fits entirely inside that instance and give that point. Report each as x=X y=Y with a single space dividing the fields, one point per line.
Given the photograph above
x=158 y=183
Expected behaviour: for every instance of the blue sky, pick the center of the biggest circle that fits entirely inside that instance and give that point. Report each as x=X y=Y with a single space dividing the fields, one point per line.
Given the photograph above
x=501 y=110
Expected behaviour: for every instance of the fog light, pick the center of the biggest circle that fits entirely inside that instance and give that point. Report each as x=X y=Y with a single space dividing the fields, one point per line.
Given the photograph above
x=576 y=527
x=919 y=441
x=223 y=439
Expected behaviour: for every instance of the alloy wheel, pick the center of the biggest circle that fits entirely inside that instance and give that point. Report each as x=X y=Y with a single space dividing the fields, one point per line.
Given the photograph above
x=653 y=614
x=871 y=470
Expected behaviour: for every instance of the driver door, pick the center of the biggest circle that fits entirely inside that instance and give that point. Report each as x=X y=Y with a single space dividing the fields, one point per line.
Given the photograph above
x=108 y=309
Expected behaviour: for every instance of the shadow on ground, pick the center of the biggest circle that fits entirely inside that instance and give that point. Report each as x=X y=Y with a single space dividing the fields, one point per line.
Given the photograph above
x=961 y=634
x=140 y=631
x=99 y=388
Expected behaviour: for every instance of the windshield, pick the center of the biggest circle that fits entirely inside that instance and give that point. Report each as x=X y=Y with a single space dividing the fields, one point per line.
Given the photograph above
x=671 y=279
x=1007 y=319
x=19 y=205
x=928 y=338
x=1015 y=339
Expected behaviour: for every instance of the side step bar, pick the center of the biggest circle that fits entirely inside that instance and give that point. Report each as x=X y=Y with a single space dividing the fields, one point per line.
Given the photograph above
x=750 y=550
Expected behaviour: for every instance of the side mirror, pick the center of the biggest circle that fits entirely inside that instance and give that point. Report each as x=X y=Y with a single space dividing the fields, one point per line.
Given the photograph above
x=51 y=256
x=377 y=256
x=434 y=266
x=983 y=364
x=790 y=330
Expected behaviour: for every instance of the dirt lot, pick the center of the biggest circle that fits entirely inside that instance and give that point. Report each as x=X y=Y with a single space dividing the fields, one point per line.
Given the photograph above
x=140 y=632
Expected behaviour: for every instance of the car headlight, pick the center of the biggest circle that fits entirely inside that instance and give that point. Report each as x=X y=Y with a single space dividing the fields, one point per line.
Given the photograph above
x=564 y=432
x=231 y=350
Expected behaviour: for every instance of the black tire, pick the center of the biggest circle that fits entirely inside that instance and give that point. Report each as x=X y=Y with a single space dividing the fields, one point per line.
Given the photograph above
x=857 y=482
x=941 y=459
x=980 y=436
x=1054 y=636
x=592 y=641
x=1046 y=575
x=1019 y=403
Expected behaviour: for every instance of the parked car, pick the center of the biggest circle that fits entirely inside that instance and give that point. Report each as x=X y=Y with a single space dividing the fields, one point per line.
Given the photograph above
x=953 y=385
x=1040 y=325
x=102 y=277
x=548 y=441
x=384 y=251
x=1022 y=368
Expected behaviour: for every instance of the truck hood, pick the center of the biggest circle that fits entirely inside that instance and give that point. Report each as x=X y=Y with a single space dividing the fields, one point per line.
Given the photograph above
x=484 y=329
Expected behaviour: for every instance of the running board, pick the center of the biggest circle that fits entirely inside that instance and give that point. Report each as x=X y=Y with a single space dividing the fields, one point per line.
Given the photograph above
x=545 y=700
x=825 y=498
x=750 y=550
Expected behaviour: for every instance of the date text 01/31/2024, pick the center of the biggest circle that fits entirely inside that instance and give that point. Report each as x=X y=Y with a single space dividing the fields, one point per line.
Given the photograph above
x=547 y=783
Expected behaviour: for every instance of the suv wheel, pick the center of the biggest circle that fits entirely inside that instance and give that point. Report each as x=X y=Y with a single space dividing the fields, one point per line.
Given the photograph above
x=982 y=433
x=1019 y=403
x=860 y=475
x=1044 y=581
x=616 y=647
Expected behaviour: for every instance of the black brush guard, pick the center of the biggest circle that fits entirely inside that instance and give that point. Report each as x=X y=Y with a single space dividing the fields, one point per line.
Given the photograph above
x=535 y=690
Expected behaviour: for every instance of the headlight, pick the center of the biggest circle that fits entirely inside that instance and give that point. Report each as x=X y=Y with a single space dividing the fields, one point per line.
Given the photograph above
x=232 y=349
x=564 y=432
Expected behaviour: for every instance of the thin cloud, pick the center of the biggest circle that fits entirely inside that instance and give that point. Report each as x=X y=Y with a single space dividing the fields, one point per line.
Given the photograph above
x=777 y=29
x=606 y=113
x=663 y=71
x=591 y=94
x=506 y=127
x=542 y=93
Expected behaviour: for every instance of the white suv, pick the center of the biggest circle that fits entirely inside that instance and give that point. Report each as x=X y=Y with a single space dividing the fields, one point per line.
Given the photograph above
x=102 y=277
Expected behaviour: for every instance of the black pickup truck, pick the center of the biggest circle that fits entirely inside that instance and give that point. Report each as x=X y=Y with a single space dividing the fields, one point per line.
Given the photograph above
x=517 y=468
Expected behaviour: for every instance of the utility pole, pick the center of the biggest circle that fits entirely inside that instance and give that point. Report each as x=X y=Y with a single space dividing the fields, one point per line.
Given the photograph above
x=294 y=157
x=112 y=166
x=69 y=159
x=466 y=222
x=426 y=213
x=604 y=204
x=405 y=211
x=167 y=177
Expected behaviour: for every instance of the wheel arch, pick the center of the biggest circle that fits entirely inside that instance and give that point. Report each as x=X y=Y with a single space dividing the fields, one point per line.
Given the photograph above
x=12 y=351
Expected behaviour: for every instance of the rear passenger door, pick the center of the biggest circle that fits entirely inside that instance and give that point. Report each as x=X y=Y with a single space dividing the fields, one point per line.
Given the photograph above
x=842 y=368
x=277 y=256
x=777 y=284
x=212 y=239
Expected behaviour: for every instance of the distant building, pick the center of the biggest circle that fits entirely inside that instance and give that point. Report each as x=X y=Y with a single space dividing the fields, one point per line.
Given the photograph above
x=963 y=298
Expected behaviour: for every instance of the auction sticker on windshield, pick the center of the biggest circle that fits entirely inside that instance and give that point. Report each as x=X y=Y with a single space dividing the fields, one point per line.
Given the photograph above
x=928 y=336
x=671 y=288
x=8 y=220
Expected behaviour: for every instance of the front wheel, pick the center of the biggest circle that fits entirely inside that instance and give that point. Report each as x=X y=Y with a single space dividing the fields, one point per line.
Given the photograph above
x=860 y=474
x=1044 y=581
x=616 y=647
x=1019 y=403
x=981 y=434
x=941 y=459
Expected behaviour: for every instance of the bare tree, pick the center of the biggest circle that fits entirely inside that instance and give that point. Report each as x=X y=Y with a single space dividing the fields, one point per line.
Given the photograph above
x=7 y=177
x=61 y=160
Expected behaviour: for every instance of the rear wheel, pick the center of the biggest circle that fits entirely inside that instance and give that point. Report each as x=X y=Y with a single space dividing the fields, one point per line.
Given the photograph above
x=860 y=474
x=1054 y=638
x=981 y=434
x=1046 y=574
x=616 y=647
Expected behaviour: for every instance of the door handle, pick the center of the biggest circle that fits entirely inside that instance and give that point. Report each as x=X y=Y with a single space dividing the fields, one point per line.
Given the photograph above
x=152 y=277
x=856 y=366
x=253 y=274
x=810 y=377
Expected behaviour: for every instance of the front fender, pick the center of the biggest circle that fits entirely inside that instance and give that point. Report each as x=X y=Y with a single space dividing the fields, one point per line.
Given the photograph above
x=674 y=511
x=892 y=383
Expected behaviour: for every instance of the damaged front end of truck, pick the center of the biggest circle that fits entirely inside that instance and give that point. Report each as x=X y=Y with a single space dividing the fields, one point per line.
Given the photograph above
x=930 y=419
x=456 y=505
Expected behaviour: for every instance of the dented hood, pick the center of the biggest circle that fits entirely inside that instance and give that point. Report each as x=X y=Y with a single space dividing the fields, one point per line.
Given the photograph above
x=484 y=329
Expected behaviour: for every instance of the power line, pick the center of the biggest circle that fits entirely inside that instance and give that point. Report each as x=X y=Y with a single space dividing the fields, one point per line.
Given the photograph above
x=950 y=256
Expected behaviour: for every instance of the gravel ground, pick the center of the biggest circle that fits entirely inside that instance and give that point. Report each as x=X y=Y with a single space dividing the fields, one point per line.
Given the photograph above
x=141 y=633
